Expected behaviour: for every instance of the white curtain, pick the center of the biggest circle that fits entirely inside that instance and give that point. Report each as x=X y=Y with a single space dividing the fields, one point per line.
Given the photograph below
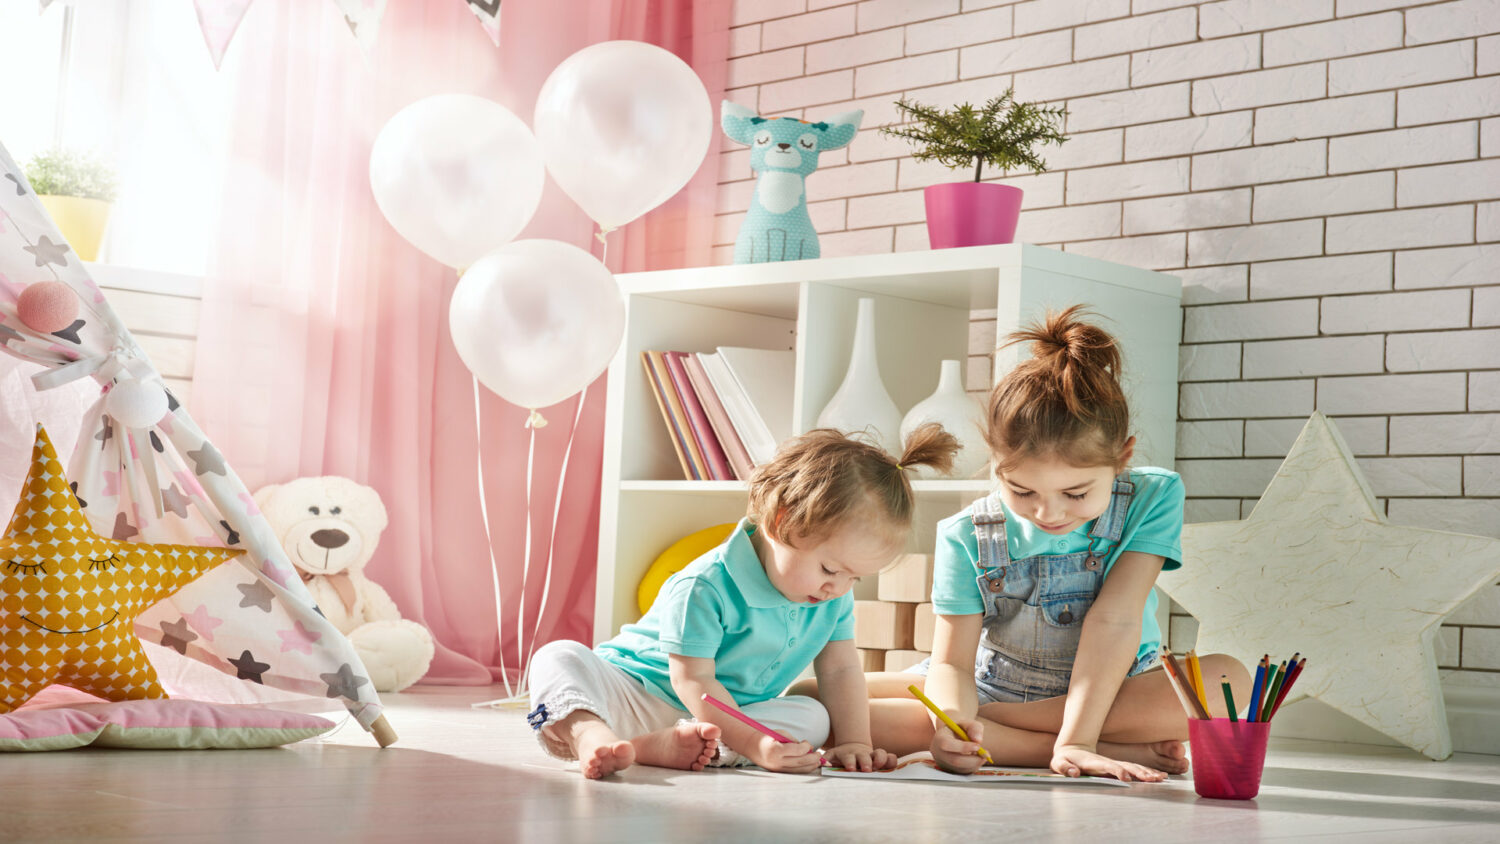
x=136 y=86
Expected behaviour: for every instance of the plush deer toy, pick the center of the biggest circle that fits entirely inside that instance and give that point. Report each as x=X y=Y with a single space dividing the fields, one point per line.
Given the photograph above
x=783 y=150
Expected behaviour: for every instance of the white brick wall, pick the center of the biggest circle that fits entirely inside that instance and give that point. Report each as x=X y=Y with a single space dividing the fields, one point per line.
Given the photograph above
x=1323 y=175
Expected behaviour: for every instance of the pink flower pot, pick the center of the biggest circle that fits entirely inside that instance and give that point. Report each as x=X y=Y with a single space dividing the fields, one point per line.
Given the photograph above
x=971 y=214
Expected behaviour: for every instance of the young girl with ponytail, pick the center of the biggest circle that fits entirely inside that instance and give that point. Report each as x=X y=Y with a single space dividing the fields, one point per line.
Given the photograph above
x=1046 y=641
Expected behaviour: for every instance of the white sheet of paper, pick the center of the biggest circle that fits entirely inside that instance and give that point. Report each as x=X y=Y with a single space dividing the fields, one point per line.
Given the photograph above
x=919 y=766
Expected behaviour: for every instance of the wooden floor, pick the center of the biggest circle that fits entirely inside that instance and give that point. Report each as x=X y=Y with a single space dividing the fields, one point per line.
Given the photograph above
x=461 y=774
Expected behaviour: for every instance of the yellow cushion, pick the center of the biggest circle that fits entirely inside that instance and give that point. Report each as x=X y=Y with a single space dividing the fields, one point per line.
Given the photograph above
x=676 y=558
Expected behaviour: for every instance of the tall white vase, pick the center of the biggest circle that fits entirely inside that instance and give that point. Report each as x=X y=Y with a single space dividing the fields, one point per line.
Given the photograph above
x=959 y=414
x=861 y=403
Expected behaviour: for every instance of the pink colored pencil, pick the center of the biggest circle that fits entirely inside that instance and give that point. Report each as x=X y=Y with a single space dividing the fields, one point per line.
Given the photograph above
x=750 y=722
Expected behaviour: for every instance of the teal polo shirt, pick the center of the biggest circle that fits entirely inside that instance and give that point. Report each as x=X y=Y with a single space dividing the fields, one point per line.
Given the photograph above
x=722 y=606
x=1153 y=525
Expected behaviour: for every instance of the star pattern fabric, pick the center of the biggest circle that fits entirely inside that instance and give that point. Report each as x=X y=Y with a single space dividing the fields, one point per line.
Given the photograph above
x=47 y=252
x=207 y=459
x=1316 y=568
x=248 y=668
x=69 y=597
x=344 y=683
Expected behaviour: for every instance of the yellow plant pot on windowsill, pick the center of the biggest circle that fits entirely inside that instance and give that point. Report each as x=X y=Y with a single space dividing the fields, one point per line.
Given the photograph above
x=81 y=221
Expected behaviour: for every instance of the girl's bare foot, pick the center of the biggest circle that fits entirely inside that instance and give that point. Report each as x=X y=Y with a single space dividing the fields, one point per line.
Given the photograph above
x=1169 y=756
x=598 y=761
x=600 y=752
x=686 y=746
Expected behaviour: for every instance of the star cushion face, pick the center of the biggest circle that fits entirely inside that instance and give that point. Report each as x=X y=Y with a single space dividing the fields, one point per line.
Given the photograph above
x=69 y=597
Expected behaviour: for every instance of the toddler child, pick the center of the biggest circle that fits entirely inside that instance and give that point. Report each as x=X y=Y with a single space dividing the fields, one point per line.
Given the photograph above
x=1045 y=637
x=742 y=621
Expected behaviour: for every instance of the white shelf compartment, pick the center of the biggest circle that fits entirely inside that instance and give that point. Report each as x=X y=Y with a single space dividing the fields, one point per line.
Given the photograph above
x=923 y=308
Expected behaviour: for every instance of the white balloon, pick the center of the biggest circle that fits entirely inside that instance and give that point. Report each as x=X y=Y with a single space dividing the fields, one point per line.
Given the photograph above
x=457 y=176
x=536 y=320
x=623 y=125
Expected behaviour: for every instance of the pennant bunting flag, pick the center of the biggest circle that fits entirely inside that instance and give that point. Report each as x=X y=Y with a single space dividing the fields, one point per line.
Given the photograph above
x=488 y=12
x=219 y=19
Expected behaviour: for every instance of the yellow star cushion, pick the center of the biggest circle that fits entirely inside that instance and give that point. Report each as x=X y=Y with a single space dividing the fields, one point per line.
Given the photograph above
x=69 y=597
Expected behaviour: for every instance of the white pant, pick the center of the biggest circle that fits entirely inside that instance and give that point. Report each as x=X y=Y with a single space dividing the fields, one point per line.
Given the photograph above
x=566 y=676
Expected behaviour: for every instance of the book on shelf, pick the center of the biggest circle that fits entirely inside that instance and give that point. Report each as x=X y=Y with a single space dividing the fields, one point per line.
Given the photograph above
x=660 y=381
x=714 y=460
x=755 y=387
x=734 y=448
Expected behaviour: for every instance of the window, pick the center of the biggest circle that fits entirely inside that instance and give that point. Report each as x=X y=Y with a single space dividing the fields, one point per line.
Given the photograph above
x=132 y=81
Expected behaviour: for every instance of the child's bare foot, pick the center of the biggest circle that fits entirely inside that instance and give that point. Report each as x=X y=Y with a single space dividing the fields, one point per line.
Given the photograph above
x=602 y=759
x=1169 y=756
x=686 y=746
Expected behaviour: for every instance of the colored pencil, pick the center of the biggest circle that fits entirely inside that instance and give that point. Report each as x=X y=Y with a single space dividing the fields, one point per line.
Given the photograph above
x=1287 y=686
x=1176 y=683
x=750 y=722
x=1268 y=692
x=1286 y=676
x=1228 y=696
x=1180 y=683
x=1187 y=666
x=951 y=724
x=1196 y=668
x=1260 y=677
x=1275 y=688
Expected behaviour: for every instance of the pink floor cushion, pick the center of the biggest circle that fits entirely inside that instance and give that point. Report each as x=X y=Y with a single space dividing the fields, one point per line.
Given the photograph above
x=151 y=724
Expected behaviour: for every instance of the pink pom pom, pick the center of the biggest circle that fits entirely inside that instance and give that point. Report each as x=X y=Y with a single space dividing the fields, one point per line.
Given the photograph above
x=47 y=306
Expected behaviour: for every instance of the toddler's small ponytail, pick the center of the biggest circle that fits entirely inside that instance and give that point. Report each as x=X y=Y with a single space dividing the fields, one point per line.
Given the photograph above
x=819 y=481
x=929 y=445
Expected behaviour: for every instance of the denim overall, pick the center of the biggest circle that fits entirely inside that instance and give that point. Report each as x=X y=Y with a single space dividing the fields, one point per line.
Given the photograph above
x=1034 y=607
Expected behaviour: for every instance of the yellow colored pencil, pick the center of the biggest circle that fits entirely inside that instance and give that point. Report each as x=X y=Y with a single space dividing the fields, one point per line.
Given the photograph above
x=1181 y=685
x=952 y=725
x=1196 y=668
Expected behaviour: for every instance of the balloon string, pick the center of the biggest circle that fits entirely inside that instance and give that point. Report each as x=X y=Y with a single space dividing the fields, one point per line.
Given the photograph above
x=535 y=419
x=525 y=565
x=489 y=543
x=562 y=478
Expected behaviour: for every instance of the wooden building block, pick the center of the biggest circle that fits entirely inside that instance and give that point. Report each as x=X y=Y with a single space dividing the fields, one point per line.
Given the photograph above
x=909 y=580
x=871 y=659
x=903 y=659
x=883 y=624
x=922 y=627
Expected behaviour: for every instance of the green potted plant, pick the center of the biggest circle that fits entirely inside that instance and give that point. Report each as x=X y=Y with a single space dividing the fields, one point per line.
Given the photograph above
x=1003 y=134
x=76 y=188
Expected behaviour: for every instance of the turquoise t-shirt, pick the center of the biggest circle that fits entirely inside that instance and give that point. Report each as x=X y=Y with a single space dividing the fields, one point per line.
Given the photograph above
x=1153 y=525
x=723 y=606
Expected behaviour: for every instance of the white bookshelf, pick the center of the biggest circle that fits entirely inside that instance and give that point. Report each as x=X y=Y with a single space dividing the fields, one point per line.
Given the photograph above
x=923 y=305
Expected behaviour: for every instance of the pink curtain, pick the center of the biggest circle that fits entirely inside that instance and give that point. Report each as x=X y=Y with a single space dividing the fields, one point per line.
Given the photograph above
x=324 y=345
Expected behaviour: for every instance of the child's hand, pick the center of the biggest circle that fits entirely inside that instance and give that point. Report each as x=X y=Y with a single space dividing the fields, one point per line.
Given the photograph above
x=955 y=755
x=798 y=757
x=1074 y=760
x=861 y=757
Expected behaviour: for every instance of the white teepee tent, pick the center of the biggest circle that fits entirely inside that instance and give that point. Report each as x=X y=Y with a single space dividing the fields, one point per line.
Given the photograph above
x=251 y=617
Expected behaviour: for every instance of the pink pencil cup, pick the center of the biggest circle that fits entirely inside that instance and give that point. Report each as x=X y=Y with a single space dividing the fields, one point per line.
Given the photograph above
x=1228 y=757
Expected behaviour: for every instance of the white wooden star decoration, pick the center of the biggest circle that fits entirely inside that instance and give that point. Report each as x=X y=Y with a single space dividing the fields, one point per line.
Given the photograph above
x=1316 y=568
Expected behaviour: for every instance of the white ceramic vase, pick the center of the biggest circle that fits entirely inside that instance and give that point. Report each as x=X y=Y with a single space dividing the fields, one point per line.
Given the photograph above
x=959 y=414
x=861 y=403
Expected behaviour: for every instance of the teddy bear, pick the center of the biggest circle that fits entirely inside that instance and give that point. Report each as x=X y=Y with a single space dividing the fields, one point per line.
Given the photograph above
x=329 y=527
